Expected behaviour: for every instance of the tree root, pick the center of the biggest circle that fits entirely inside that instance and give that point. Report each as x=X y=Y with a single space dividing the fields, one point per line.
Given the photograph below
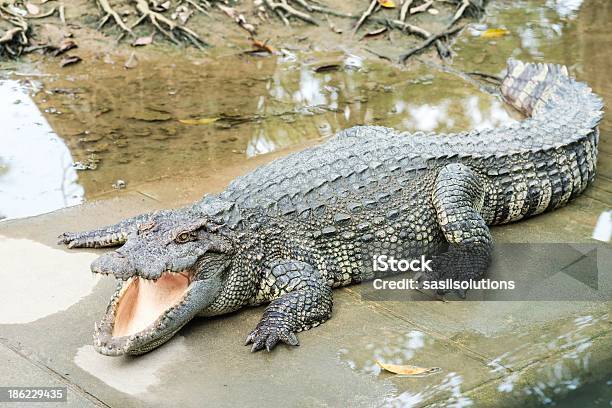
x=425 y=44
x=371 y=8
x=14 y=40
x=159 y=20
x=404 y=10
x=110 y=12
x=283 y=7
x=464 y=5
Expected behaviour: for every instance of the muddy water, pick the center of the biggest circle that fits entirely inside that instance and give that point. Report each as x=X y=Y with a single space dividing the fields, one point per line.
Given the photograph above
x=180 y=116
x=184 y=117
x=574 y=33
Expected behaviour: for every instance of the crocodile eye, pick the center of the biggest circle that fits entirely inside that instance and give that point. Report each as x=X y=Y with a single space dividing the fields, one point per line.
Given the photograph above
x=185 y=237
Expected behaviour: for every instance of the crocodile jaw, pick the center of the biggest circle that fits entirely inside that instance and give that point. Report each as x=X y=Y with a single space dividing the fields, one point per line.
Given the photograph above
x=143 y=314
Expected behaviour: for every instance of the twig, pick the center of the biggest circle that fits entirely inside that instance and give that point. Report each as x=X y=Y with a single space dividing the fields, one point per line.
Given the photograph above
x=422 y=7
x=484 y=75
x=276 y=7
x=464 y=5
x=62 y=13
x=428 y=42
x=411 y=28
x=304 y=4
x=365 y=15
x=404 y=10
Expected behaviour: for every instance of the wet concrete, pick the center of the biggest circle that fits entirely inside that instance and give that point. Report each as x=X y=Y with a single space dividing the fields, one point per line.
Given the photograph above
x=491 y=353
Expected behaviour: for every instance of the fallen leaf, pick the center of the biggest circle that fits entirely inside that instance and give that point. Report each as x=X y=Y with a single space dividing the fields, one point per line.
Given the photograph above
x=263 y=46
x=69 y=60
x=132 y=62
x=387 y=3
x=409 y=370
x=495 y=33
x=142 y=41
x=33 y=9
x=374 y=33
x=200 y=121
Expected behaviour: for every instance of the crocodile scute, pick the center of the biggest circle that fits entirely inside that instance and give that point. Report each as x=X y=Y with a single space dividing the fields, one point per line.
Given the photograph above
x=289 y=232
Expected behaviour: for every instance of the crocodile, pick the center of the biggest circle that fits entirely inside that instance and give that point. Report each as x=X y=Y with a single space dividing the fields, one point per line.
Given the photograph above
x=289 y=232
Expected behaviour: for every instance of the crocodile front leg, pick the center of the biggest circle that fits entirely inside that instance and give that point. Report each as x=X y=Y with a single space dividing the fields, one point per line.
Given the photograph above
x=112 y=235
x=458 y=199
x=302 y=300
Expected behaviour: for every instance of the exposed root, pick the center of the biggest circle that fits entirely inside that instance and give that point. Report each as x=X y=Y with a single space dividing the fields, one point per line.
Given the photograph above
x=283 y=7
x=166 y=26
x=14 y=40
x=425 y=44
x=404 y=10
x=365 y=15
x=423 y=7
x=110 y=12
x=464 y=5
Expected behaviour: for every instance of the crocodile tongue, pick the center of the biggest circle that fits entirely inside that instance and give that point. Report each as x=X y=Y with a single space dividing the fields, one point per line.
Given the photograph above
x=144 y=301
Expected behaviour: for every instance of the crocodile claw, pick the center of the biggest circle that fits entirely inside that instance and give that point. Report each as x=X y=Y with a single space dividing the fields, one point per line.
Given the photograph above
x=70 y=239
x=269 y=336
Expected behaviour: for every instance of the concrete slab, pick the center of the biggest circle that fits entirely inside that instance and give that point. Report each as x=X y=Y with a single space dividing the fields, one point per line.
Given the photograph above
x=478 y=345
x=19 y=371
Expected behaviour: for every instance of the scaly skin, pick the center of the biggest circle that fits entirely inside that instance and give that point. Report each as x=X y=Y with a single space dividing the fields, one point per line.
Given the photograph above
x=290 y=231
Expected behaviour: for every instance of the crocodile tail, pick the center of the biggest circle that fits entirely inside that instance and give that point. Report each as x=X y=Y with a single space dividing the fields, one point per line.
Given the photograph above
x=528 y=85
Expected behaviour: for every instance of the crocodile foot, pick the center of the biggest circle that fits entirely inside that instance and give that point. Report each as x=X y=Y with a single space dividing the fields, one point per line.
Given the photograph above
x=458 y=265
x=268 y=333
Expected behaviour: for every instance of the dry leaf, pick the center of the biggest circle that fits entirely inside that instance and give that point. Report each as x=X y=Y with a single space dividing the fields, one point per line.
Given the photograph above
x=69 y=60
x=33 y=9
x=142 y=41
x=495 y=33
x=200 y=121
x=132 y=62
x=409 y=370
x=263 y=46
x=387 y=3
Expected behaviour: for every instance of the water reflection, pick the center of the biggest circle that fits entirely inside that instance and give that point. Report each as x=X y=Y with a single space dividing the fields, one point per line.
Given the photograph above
x=565 y=8
x=566 y=370
x=36 y=173
x=414 y=347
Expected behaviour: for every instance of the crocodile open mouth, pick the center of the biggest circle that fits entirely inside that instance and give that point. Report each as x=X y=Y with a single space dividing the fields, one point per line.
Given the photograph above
x=140 y=311
x=144 y=301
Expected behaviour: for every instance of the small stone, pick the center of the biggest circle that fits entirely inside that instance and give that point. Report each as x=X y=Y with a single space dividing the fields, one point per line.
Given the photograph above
x=119 y=185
